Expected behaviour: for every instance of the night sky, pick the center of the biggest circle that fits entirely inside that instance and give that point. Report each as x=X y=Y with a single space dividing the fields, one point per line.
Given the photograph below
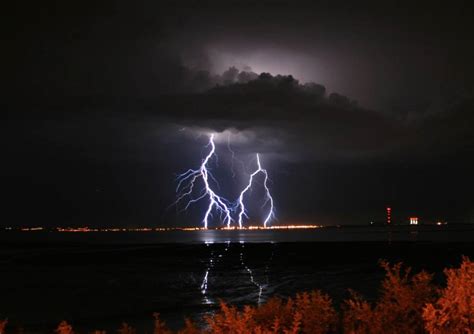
x=353 y=106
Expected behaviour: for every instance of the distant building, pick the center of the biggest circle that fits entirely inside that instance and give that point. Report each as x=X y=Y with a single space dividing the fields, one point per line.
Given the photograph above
x=413 y=220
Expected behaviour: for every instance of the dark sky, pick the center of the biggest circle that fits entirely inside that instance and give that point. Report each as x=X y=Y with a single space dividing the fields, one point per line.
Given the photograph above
x=360 y=105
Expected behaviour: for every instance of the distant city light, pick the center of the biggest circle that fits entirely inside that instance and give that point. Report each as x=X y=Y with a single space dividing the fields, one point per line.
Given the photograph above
x=413 y=220
x=86 y=229
x=36 y=228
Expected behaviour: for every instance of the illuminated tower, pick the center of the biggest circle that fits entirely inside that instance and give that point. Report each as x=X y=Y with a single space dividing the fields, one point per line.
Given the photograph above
x=389 y=215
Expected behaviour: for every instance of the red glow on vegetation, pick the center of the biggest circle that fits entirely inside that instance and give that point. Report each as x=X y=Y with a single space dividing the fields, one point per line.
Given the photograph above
x=408 y=303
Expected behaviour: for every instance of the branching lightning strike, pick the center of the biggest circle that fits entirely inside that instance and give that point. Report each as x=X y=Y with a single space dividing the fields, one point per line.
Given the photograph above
x=187 y=181
x=268 y=196
x=233 y=158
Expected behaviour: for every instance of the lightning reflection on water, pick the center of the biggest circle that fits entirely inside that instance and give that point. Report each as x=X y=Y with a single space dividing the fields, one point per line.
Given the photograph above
x=219 y=256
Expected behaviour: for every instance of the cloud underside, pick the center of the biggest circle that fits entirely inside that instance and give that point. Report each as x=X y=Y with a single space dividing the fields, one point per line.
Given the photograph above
x=302 y=120
x=281 y=116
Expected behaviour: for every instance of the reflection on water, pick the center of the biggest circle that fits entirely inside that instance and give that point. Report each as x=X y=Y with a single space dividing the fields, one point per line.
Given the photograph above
x=206 y=277
x=128 y=276
x=453 y=233
x=217 y=256
x=252 y=279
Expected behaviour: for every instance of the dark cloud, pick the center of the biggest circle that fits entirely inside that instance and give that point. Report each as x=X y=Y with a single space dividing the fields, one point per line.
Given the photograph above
x=309 y=122
x=314 y=124
x=390 y=57
x=353 y=106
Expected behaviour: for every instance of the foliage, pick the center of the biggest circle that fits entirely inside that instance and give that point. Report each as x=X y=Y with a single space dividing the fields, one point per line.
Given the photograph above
x=64 y=328
x=3 y=324
x=358 y=316
x=399 y=308
x=408 y=303
x=160 y=326
x=189 y=328
x=307 y=313
x=453 y=312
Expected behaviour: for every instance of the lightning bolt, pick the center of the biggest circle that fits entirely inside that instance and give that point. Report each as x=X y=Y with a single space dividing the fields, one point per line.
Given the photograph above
x=268 y=196
x=187 y=181
x=234 y=158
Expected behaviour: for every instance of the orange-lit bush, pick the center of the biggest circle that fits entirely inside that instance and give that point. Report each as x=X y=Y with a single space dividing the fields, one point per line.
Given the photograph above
x=275 y=313
x=318 y=314
x=306 y=313
x=3 y=324
x=189 y=328
x=160 y=326
x=64 y=328
x=408 y=303
x=232 y=321
x=453 y=312
x=399 y=308
x=359 y=316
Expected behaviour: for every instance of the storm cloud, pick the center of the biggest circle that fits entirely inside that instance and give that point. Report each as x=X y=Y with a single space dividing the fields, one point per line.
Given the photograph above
x=352 y=107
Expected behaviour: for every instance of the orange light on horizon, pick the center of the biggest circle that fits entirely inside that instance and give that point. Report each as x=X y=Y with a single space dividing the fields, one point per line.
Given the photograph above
x=86 y=229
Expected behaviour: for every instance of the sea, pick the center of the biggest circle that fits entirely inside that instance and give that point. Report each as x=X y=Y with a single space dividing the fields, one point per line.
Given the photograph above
x=98 y=280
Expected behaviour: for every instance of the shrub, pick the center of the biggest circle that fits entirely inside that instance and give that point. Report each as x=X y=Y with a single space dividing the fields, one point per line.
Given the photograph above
x=399 y=308
x=318 y=314
x=359 y=316
x=453 y=312
x=309 y=312
x=408 y=303
x=160 y=326
x=64 y=328
x=3 y=324
x=189 y=328
x=230 y=320
x=275 y=314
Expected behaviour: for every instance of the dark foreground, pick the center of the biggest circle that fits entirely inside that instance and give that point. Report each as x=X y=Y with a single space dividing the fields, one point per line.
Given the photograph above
x=99 y=285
